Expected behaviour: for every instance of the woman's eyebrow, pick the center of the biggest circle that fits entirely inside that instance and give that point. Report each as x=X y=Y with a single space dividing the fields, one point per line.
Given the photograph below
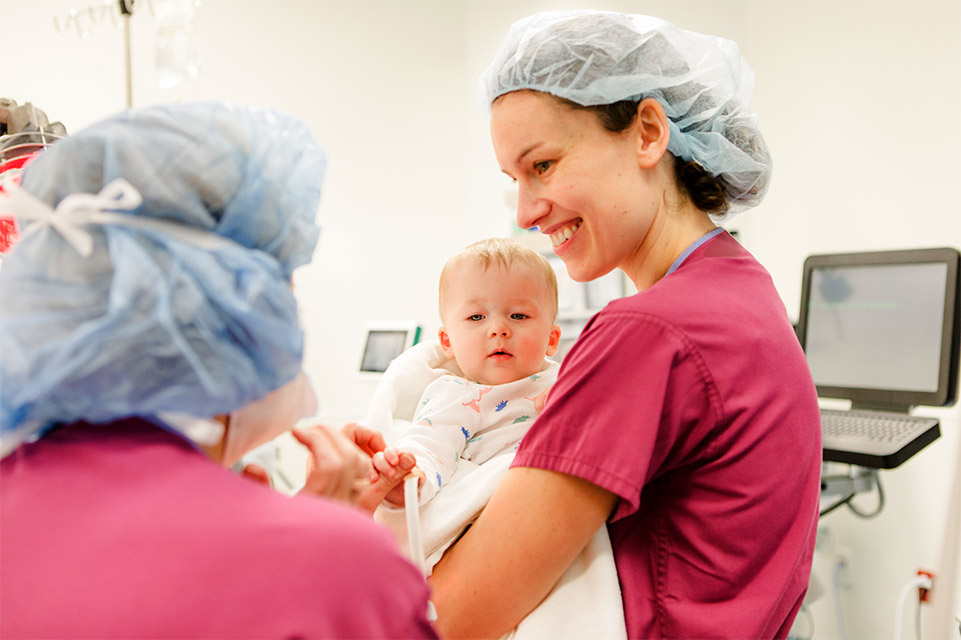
x=526 y=151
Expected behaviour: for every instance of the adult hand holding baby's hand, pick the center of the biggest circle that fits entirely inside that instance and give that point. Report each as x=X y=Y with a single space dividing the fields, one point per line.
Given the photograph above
x=394 y=465
x=334 y=465
x=340 y=467
x=369 y=441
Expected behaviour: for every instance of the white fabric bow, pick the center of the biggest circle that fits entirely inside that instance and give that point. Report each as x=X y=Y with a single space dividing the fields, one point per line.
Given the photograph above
x=79 y=209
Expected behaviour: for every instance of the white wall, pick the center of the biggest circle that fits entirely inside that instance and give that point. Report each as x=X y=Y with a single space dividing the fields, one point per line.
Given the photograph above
x=855 y=100
x=859 y=101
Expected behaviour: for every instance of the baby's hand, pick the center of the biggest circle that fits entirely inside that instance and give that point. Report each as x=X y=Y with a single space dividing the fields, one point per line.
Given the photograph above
x=388 y=463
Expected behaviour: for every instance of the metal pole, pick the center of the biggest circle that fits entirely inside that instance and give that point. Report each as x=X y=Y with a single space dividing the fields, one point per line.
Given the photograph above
x=126 y=10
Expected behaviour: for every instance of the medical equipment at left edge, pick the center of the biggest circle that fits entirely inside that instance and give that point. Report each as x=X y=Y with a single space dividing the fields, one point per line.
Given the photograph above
x=25 y=131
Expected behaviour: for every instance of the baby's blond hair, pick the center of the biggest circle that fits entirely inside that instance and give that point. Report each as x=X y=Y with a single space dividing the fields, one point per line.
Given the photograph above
x=504 y=252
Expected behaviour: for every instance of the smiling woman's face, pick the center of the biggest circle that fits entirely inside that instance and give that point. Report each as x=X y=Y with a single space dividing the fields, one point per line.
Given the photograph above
x=498 y=321
x=578 y=183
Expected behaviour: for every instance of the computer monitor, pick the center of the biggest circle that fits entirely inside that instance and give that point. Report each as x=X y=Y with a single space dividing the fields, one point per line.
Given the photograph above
x=882 y=328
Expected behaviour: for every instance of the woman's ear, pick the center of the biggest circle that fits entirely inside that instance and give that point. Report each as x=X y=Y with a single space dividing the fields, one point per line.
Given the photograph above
x=445 y=342
x=652 y=132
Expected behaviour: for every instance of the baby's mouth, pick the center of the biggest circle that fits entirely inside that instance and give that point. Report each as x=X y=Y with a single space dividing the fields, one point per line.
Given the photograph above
x=500 y=354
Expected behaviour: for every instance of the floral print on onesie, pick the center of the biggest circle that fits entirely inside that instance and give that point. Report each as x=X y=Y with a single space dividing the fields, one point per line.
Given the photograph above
x=457 y=418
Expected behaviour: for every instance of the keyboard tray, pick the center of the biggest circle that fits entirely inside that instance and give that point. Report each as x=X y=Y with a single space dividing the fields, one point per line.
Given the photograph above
x=876 y=439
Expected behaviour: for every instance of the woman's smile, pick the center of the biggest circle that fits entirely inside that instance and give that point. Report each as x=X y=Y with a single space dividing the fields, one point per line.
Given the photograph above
x=564 y=233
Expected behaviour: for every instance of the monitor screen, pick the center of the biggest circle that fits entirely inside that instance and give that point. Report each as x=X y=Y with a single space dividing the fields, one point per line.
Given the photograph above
x=386 y=341
x=880 y=328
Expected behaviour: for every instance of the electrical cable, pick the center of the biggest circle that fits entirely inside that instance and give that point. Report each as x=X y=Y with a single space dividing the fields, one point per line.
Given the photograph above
x=877 y=510
x=918 y=582
x=842 y=501
x=917 y=621
x=838 y=607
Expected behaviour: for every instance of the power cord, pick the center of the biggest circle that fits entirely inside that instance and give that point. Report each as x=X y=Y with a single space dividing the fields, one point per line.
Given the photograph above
x=847 y=500
x=838 y=605
x=877 y=510
x=920 y=582
x=843 y=501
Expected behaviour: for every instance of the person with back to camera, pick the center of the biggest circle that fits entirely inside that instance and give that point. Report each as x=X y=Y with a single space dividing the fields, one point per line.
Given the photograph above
x=684 y=417
x=150 y=338
x=498 y=303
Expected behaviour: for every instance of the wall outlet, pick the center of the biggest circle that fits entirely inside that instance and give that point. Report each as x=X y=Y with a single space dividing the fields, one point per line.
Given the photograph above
x=925 y=592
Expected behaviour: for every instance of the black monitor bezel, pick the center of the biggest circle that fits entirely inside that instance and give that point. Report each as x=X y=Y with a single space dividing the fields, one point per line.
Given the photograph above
x=946 y=393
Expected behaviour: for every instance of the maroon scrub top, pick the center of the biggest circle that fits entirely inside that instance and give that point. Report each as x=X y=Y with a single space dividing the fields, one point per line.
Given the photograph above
x=693 y=403
x=126 y=531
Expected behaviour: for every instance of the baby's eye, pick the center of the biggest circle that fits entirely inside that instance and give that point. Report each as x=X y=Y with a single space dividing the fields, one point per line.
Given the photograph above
x=543 y=166
x=477 y=317
x=519 y=316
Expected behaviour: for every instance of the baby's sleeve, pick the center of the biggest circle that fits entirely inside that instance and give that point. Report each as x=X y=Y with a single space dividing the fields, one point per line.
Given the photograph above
x=444 y=421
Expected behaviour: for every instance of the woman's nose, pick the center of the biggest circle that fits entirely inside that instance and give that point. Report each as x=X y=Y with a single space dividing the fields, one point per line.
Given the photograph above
x=530 y=208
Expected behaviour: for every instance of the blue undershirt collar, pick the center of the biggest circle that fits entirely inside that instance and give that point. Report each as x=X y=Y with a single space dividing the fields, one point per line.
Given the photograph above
x=692 y=248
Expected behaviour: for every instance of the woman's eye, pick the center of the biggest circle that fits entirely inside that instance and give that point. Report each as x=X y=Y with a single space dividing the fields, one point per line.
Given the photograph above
x=542 y=166
x=518 y=316
x=477 y=317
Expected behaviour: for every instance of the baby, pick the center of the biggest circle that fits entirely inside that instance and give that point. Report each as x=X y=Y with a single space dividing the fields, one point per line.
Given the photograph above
x=498 y=304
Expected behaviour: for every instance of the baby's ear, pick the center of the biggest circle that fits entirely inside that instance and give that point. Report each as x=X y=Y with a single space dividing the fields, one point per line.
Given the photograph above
x=445 y=342
x=554 y=340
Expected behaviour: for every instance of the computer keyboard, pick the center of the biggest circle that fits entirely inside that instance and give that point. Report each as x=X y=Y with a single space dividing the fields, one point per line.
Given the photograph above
x=877 y=439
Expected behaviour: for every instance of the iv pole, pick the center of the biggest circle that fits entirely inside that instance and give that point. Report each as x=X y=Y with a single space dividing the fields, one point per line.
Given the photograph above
x=126 y=10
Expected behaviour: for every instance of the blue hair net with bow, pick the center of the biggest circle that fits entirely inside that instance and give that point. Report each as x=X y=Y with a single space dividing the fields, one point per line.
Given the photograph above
x=148 y=321
x=602 y=57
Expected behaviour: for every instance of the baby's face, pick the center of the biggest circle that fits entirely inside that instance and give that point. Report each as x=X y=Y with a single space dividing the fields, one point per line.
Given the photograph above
x=498 y=322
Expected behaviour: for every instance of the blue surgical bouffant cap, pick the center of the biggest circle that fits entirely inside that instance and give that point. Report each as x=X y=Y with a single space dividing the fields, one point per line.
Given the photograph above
x=181 y=302
x=601 y=57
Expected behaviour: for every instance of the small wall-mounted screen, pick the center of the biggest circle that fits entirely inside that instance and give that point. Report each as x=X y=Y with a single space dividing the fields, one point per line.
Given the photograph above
x=384 y=343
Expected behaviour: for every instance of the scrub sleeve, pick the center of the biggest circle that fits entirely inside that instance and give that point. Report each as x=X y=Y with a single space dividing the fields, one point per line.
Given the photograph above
x=693 y=403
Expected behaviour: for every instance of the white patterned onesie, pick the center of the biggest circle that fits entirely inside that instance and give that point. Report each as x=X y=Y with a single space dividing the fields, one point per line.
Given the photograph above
x=458 y=419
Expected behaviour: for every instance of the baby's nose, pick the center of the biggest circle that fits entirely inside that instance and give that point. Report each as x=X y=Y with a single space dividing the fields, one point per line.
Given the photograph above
x=500 y=330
